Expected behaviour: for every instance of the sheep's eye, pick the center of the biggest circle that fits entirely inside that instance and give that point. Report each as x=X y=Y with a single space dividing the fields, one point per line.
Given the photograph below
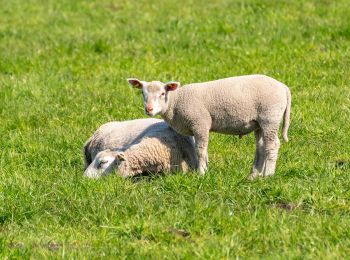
x=102 y=163
x=163 y=94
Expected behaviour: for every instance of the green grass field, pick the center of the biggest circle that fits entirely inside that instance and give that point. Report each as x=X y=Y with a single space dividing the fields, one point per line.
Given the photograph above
x=63 y=66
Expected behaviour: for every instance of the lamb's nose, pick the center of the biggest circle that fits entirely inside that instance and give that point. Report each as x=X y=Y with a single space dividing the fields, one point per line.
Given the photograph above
x=149 y=109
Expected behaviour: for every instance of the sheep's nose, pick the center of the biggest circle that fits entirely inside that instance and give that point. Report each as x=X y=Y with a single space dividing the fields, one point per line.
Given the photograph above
x=149 y=109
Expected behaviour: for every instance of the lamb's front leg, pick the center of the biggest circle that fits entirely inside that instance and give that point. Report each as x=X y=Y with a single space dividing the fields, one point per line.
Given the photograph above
x=201 y=140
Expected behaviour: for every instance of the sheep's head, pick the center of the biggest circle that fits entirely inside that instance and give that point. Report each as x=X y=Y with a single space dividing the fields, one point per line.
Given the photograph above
x=104 y=163
x=155 y=95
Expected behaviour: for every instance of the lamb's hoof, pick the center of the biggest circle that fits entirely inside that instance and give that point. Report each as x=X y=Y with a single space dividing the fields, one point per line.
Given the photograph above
x=201 y=173
x=268 y=175
x=254 y=175
x=202 y=170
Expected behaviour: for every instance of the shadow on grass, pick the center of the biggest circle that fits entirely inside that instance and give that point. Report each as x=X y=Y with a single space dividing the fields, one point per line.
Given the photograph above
x=146 y=177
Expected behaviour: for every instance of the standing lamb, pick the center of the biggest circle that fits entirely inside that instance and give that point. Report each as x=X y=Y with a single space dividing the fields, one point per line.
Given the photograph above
x=236 y=105
x=156 y=148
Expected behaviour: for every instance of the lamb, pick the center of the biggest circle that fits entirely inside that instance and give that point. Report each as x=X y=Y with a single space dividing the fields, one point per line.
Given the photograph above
x=158 y=148
x=236 y=105
x=116 y=135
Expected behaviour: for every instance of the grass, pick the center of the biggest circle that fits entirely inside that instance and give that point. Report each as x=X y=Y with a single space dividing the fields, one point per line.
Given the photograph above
x=63 y=66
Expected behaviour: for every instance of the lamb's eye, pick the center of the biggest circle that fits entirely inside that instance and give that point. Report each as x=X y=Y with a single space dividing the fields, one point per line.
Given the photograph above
x=163 y=94
x=102 y=163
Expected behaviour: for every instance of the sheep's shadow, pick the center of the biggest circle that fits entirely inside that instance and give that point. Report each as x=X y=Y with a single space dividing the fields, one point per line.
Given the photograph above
x=145 y=177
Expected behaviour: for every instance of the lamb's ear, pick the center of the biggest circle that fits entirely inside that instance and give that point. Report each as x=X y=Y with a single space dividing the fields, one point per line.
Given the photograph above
x=136 y=83
x=120 y=156
x=171 y=86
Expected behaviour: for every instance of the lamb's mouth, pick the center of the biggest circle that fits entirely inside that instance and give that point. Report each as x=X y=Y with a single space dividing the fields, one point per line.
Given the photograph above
x=149 y=113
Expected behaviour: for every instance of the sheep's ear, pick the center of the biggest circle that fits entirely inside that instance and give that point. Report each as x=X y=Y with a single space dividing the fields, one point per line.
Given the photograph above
x=171 y=86
x=120 y=156
x=136 y=83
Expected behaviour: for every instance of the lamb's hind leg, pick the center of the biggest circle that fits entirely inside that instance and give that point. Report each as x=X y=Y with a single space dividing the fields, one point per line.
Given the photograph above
x=257 y=167
x=270 y=148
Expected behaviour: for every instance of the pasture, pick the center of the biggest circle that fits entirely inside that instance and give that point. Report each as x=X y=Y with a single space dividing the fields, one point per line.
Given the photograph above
x=63 y=70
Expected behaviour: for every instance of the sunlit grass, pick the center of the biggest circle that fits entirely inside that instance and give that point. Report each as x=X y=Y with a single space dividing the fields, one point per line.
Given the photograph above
x=63 y=66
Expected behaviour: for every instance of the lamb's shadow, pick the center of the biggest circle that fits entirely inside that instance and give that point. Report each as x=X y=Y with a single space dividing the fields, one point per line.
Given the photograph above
x=151 y=131
x=157 y=131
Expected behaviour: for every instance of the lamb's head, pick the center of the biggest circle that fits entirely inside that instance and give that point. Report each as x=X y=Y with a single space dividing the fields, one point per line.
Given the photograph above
x=155 y=95
x=104 y=163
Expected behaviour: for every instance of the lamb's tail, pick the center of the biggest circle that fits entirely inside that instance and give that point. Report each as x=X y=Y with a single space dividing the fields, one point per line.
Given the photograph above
x=286 y=116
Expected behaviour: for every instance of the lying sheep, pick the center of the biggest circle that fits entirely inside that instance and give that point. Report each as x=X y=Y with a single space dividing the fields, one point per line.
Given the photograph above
x=237 y=105
x=157 y=148
x=116 y=135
